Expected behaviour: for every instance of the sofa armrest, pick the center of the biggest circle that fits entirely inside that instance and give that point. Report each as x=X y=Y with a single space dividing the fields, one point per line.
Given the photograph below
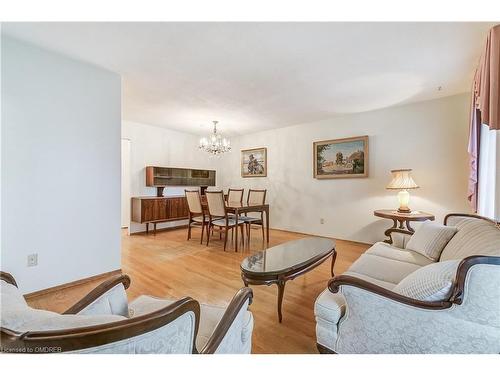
x=338 y=281
x=232 y=323
x=8 y=278
x=112 y=290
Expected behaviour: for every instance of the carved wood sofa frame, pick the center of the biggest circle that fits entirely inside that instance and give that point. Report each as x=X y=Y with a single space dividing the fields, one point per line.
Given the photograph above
x=91 y=336
x=456 y=295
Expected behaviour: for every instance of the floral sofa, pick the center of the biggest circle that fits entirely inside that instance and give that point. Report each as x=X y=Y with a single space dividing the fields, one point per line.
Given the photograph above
x=395 y=300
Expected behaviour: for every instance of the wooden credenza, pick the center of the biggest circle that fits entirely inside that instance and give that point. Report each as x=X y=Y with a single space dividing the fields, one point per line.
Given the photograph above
x=146 y=210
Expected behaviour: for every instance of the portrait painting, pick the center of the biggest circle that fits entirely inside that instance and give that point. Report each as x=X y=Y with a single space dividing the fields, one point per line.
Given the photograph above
x=254 y=162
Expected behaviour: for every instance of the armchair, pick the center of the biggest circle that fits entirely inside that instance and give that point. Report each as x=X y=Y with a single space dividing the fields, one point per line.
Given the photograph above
x=104 y=322
x=363 y=312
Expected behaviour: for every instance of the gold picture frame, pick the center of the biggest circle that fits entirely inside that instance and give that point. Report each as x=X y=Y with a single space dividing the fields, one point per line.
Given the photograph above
x=254 y=162
x=341 y=158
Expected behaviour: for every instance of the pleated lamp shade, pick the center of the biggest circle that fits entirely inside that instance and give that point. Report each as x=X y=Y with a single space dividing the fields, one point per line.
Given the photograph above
x=401 y=180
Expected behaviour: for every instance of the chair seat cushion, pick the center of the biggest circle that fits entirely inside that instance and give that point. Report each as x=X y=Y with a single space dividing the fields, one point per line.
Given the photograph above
x=249 y=219
x=385 y=265
x=199 y=219
x=222 y=222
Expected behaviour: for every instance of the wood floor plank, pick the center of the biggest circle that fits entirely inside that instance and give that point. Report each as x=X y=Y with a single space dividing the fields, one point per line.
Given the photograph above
x=167 y=265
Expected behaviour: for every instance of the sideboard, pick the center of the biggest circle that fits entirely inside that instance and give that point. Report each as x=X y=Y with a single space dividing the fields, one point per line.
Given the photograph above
x=154 y=210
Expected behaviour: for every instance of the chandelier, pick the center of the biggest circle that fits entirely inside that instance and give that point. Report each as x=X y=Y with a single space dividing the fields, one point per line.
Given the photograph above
x=215 y=144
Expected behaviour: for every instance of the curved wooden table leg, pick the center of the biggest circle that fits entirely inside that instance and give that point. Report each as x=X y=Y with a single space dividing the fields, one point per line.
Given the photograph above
x=244 y=280
x=389 y=231
x=408 y=226
x=334 y=256
x=281 y=291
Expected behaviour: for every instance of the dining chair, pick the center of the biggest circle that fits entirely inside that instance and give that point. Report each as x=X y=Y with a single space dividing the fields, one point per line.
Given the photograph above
x=235 y=195
x=257 y=197
x=218 y=216
x=197 y=216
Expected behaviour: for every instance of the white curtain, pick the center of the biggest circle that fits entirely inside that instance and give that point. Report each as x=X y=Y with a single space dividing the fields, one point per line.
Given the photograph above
x=489 y=178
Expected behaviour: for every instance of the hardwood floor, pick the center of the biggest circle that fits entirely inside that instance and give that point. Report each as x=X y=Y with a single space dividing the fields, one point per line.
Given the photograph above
x=166 y=265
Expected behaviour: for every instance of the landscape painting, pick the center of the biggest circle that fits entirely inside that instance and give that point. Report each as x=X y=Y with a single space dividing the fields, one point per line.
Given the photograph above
x=254 y=162
x=341 y=158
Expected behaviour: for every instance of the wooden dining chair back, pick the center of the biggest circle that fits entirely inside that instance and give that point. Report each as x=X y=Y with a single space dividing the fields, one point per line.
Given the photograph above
x=235 y=195
x=215 y=203
x=255 y=197
x=196 y=215
x=194 y=202
x=218 y=217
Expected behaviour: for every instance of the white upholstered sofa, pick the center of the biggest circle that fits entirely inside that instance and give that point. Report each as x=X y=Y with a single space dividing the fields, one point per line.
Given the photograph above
x=364 y=310
x=104 y=322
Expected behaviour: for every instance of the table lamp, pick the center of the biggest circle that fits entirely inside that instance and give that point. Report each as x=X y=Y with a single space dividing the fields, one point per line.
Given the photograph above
x=401 y=180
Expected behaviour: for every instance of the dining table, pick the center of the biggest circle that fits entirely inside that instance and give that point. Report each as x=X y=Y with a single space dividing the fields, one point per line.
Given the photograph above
x=237 y=208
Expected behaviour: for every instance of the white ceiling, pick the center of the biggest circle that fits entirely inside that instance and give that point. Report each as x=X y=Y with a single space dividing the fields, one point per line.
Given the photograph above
x=255 y=76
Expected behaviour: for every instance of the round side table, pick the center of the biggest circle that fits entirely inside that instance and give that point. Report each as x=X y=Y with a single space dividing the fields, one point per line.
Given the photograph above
x=401 y=220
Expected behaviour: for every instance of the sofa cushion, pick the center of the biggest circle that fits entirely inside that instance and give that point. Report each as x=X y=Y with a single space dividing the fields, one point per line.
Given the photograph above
x=210 y=316
x=29 y=319
x=385 y=250
x=474 y=237
x=385 y=266
x=430 y=283
x=430 y=239
x=381 y=283
x=10 y=295
x=16 y=315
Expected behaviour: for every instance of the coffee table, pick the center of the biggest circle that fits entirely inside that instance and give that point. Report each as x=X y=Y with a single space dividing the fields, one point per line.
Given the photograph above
x=284 y=262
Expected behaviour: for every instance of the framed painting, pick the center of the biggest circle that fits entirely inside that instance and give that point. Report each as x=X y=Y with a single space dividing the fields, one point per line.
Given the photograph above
x=341 y=158
x=254 y=162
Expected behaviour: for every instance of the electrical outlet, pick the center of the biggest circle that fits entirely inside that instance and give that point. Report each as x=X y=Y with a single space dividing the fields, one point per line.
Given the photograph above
x=322 y=221
x=32 y=260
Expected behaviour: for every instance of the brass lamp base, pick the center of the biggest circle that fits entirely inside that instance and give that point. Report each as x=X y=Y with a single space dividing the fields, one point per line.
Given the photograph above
x=404 y=210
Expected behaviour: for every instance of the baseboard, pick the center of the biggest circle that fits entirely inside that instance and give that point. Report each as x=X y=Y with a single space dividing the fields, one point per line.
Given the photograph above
x=151 y=231
x=317 y=235
x=71 y=284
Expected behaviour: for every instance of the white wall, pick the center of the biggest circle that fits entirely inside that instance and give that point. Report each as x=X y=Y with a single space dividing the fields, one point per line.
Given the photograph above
x=430 y=137
x=60 y=167
x=156 y=146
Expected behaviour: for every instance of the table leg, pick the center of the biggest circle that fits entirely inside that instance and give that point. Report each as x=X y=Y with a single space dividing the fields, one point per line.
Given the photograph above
x=408 y=226
x=334 y=256
x=244 y=280
x=388 y=231
x=236 y=235
x=281 y=291
x=147 y=228
x=267 y=225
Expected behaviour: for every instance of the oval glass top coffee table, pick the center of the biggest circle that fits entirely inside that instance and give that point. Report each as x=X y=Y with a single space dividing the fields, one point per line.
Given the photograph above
x=284 y=262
